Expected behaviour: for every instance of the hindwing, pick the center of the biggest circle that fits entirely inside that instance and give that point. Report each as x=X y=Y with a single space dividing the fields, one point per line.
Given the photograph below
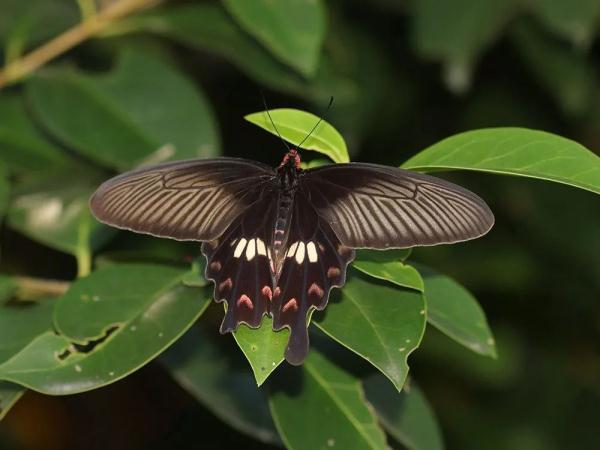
x=315 y=262
x=238 y=263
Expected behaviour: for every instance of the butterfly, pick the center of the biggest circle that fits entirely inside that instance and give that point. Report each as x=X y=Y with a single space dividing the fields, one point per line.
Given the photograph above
x=277 y=240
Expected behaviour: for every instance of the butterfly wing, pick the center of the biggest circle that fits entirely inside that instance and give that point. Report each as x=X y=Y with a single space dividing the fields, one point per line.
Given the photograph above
x=314 y=263
x=184 y=200
x=372 y=206
x=238 y=264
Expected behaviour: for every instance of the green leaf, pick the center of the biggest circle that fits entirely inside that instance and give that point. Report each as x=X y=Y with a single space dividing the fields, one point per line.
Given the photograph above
x=7 y=288
x=9 y=395
x=457 y=43
x=295 y=125
x=4 y=191
x=513 y=151
x=292 y=29
x=379 y=321
x=22 y=146
x=221 y=382
x=406 y=415
x=21 y=324
x=575 y=19
x=455 y=312
x=207 y=26
x=144 y=111
x=56 y=213
x=111 y=323
x=341 y=418
x=388 y=265
x=263 y=347
x=24 y=24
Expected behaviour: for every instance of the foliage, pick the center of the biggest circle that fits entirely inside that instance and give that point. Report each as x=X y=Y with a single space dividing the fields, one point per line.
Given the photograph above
x=150 y=86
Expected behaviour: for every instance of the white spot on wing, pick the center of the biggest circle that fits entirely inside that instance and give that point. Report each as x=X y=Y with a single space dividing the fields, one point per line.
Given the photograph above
x=312 y=252
x=292 y=249
x=260 y=247
x=300 y=253
x=240 y=248
x=251 y=249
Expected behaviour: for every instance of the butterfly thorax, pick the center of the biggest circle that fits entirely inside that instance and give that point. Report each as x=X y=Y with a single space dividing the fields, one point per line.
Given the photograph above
x=288 y=173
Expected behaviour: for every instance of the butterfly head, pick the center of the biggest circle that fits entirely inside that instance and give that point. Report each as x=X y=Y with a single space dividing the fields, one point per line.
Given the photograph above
x=291 y=159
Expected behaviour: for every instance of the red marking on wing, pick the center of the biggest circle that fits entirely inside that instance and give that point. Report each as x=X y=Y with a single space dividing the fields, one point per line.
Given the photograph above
x=316 y=290
x=245 y=300
x=277 y=292
x=291 y=304
x=215 y=265
x=227 y=284
x=266 y=291
x=333 y=272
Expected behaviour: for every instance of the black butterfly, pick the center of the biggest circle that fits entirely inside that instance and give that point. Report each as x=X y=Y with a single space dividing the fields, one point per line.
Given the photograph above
x=278 y=239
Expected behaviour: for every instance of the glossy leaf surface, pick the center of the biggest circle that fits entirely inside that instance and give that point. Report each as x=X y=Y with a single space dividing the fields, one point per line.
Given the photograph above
x=455 y=312
x=117 y=123
x=291 y=29
x=342 y=418
x=295 y=125
x=263 y=347
x=111 y=323
x=381 y=322
x=405 y=415
x=513 y=151
x=22 y=145
x=389 y=266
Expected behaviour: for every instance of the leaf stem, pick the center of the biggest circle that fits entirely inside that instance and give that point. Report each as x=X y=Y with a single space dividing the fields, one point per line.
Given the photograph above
x=89 y=27
x=84 y=262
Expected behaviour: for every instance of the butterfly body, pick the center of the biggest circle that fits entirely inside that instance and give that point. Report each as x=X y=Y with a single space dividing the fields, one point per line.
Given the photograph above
x=277 y=240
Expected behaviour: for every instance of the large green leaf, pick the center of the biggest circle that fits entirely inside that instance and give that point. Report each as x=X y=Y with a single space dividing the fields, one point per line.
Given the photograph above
x=475 y=25
x=22 y=146
x=143 y=111
x=9 y=395
x=20 y=324
x=56 y=213
x=454 y=311
x=292 y=29
x=295 y=125
x=263 y=347
x=406 y=415
x=110 y=323
x=221 y=382
x=381 y=322
x=324 y=407
x=513 y=151
x=208 y=26
x=388 y=265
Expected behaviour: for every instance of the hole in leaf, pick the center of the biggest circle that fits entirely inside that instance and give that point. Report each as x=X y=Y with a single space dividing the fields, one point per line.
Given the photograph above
x=88 y=347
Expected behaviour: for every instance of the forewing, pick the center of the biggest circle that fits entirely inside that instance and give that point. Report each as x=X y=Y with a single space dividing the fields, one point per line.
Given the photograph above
x=372 y=206
x=239 y=266
x=315 y=262
x=185 y=200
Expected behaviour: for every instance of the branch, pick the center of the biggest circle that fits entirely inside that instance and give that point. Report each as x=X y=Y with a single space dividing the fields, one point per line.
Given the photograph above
x=34 y=288
x=89 y=27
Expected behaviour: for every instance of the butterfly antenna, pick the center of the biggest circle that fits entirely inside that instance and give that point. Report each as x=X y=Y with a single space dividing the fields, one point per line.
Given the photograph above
x=318 y=123
x=262 y=94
